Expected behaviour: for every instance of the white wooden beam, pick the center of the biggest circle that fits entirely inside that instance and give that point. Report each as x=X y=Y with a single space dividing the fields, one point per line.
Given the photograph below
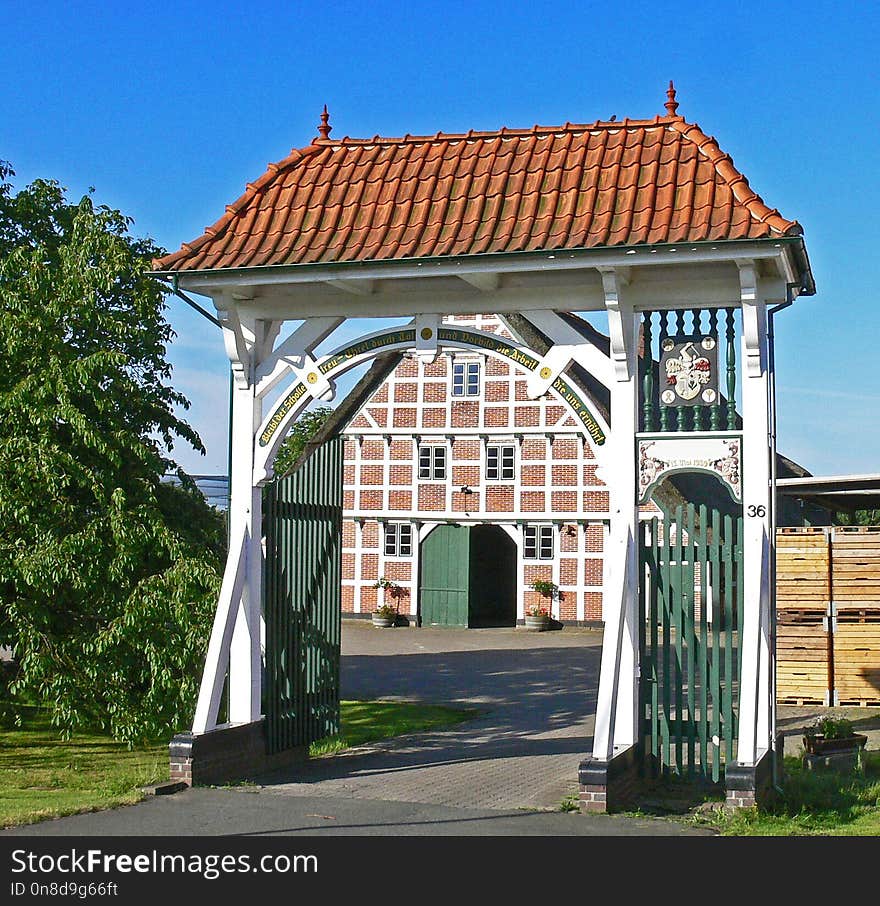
x=485 y=283
x=355 y=287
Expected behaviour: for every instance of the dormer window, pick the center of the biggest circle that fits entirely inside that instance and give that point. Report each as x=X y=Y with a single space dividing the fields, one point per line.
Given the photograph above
x=465 y=378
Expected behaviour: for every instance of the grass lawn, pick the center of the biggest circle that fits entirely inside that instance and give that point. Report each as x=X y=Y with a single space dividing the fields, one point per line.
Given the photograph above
x=815 y=803
x=43 y=776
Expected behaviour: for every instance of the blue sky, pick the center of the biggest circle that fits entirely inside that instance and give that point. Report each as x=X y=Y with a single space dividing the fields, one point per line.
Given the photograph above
x=168 y=109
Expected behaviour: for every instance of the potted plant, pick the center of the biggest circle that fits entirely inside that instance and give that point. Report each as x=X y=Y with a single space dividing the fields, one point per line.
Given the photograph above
x=831 y=739
x=538 y=617
x=386 y=614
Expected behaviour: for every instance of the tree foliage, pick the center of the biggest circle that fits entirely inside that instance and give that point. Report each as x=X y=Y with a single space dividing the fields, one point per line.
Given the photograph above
x=301 y=432
x=108 y=577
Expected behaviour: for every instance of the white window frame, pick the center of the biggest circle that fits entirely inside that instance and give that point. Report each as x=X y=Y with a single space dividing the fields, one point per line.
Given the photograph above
x=435 y=452
x=501 y=447
x=543 y=541
x=394 y=543
x=471 y=379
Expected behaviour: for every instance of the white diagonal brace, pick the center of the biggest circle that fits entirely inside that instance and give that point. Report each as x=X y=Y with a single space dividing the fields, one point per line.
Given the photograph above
x=217 y=658
x=290 y=353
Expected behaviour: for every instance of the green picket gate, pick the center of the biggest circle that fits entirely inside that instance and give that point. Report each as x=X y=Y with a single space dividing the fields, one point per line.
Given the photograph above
x=302 y=524
x=690 y=596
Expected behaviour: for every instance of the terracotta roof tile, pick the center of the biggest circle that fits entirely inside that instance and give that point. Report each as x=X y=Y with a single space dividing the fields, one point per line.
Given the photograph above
x=575 y=186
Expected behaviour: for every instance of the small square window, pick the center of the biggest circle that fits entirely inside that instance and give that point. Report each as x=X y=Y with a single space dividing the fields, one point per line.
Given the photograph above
x=538 y=542
x=465 y=378
x=432 y=462
x=500 y=462
x=398 y=539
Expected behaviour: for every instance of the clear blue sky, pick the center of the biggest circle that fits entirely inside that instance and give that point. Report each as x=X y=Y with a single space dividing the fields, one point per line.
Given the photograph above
x=168 y=109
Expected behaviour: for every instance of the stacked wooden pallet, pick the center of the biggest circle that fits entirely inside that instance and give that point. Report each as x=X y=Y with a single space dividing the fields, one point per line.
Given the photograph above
x=828 y=616
x=802 y=570
x=856 y=586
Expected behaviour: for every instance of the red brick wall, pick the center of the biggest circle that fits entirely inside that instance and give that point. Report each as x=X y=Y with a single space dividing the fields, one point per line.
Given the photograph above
x=530 y=476
x=465 y=414
x=405 y=418
x=499 y=499
x=434 y=393
x=400 y=474
x=527 y=416
x=432 y=497
x=406 y=392
x=496 y=391
x=400 y=500
x=370 y=534
x=372 y=475
x=465 y=449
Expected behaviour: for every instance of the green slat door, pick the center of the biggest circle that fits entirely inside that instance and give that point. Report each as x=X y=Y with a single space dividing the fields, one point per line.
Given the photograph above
x=302 y=580
x=443 y=590
x=689 y=595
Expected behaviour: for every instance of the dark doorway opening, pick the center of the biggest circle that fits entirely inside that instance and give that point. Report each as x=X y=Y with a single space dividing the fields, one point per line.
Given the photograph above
x=492 y=585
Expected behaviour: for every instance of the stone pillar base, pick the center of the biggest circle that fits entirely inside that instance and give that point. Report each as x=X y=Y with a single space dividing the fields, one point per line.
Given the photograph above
x=227 y=754
x=610 y=786
x=749 y=785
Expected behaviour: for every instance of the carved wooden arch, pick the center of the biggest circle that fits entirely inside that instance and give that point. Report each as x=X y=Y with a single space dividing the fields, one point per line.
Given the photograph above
x=274 y=427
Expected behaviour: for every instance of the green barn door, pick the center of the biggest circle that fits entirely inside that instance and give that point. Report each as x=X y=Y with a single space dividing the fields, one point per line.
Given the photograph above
x=443 y=591
x=302 y=522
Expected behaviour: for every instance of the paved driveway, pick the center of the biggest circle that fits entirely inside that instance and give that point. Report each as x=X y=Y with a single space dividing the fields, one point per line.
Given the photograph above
x=539 y=692
x=481 y=778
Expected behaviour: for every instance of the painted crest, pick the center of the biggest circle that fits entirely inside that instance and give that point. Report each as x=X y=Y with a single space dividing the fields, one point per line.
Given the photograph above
x=688 y=371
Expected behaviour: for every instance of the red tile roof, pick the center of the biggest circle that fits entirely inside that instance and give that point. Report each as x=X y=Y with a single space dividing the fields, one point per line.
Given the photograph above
x=606 y=184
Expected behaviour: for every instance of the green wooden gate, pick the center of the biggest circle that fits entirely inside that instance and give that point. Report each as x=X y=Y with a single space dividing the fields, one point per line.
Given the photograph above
x=445 y=570
x=691 y=623
x=302 y=523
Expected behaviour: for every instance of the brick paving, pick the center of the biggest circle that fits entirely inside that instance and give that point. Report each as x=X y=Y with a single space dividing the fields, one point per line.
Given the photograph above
x=539 y=690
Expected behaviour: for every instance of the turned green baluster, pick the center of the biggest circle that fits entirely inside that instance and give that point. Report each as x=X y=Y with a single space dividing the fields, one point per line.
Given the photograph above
x=696 y=329
x=648 y=383
x=731 y=372
x=681 y=423
x=715 y=409
x=661 y=377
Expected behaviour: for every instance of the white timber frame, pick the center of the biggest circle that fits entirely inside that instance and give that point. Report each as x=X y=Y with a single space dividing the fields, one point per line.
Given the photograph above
x=254 y=303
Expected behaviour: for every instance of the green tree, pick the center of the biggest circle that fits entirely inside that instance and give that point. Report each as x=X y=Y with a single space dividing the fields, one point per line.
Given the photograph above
x=301 y=432
x=108 y=577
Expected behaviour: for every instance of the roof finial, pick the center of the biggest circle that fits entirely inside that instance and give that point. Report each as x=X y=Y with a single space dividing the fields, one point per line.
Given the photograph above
x=325 y=128
x=671 y=104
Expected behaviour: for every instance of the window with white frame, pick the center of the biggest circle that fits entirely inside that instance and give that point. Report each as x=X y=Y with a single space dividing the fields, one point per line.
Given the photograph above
x=432 y=462
x=398 y=539
x=465 y=378
x=500 y=462
x=538 y=542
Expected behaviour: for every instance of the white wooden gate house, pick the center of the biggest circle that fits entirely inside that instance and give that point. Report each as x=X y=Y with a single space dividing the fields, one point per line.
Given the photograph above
x=644 y=221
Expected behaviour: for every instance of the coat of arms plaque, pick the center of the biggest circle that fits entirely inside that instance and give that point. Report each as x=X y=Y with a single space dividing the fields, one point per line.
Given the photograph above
x=689 y=371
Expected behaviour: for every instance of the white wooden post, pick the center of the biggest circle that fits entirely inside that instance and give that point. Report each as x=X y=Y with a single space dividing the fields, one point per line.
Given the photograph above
x=755 y=704
x=617 y=707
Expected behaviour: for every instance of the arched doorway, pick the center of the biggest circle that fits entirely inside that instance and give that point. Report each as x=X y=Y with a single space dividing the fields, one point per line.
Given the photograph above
x=467 y=577
x=492 y=586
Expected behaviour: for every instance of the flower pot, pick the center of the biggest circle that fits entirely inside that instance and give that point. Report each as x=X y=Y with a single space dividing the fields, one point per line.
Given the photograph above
x=537 y=624
x=383 y=622
x=819 y=745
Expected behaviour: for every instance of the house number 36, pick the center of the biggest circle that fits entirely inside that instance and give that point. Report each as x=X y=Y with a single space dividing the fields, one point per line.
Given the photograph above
x=759 y=511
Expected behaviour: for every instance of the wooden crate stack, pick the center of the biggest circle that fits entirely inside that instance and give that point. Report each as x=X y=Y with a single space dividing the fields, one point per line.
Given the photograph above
x=802 y=573
x=856 y=597
x=828 y=616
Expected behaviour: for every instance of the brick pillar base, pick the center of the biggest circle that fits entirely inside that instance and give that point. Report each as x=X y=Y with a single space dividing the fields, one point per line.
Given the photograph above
x=227 y=755
x=750 y=785
x=610 y=786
